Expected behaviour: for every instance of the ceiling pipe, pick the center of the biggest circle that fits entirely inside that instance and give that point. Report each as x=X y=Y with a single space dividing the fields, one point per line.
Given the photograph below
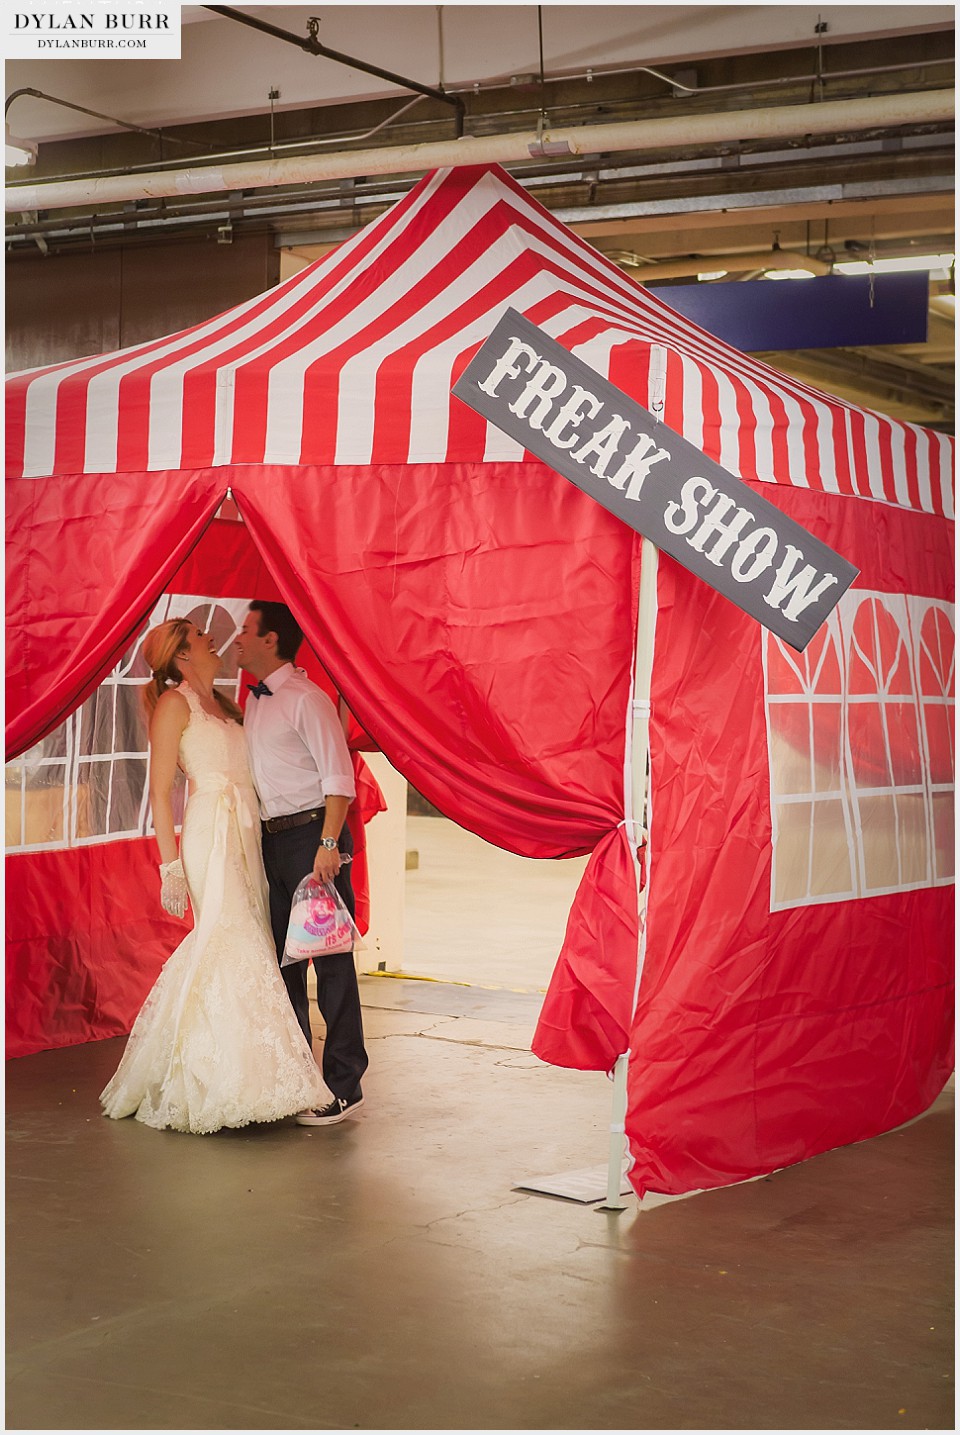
x=602 y=72
x=312 y=46
x=82 y=109
x=210 y=151
x=676 y=131
x=69 y=105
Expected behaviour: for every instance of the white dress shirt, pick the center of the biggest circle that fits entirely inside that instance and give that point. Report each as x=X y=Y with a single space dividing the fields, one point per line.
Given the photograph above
x=298 y=753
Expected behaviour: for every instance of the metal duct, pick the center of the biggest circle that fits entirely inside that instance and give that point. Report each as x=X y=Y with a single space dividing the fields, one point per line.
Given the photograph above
x=778 y=122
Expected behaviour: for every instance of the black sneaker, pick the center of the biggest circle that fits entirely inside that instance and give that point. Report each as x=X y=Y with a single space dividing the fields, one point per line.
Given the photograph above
x=337 y=1110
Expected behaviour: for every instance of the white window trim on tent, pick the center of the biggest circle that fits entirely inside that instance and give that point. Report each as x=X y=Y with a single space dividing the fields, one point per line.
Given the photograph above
x=842 y=803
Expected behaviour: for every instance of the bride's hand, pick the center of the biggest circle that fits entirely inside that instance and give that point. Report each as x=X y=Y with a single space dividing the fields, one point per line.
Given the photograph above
x=173 y=888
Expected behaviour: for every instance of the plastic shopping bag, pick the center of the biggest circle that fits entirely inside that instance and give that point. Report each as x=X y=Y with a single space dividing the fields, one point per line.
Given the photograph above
x=319 y=923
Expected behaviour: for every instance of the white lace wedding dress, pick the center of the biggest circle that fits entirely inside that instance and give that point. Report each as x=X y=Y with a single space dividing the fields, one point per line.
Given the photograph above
x=216 y=1042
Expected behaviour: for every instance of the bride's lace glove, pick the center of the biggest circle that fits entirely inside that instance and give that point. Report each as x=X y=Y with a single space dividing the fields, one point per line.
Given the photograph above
x=173 y=888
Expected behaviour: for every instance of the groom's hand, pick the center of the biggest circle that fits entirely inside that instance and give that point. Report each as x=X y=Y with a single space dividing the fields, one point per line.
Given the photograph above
x=326 y=864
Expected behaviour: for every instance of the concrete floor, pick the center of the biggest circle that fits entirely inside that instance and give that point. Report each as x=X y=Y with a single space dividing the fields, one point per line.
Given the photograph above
x=385 y=1274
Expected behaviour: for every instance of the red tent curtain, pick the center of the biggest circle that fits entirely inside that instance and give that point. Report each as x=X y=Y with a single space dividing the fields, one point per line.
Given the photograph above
x=762 y=1037
x=585 y=1019
x=479 y=620
x=87 y=557
x=490 y=662
x=85 y=939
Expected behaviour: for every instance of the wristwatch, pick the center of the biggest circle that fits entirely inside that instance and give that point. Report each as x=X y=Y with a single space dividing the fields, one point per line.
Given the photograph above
x=328 y=842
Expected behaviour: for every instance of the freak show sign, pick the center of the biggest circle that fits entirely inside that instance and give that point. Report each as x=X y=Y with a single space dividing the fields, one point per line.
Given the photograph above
x=620 y=454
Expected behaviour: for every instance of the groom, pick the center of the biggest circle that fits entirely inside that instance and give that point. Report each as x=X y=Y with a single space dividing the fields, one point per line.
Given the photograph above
x=304 y=778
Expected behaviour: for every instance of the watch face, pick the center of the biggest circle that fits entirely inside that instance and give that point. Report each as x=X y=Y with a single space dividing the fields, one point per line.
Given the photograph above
x=329 y=842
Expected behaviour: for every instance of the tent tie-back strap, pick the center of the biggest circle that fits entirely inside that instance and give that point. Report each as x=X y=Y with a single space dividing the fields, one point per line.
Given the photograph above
x=637 y=837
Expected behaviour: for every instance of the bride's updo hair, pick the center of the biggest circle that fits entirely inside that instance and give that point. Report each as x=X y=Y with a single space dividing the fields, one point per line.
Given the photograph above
x=161 y=647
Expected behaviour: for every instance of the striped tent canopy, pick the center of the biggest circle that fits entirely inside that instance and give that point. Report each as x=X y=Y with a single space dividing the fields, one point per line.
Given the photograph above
x=352 y=362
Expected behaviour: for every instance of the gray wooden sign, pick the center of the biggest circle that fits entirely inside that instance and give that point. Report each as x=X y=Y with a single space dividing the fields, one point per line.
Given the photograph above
x=615 y=450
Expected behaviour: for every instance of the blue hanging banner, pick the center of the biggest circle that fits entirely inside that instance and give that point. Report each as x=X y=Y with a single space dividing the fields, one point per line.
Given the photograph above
x=837 y=312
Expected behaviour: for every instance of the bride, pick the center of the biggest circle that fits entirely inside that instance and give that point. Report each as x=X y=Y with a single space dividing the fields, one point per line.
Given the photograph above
x=216 y=1043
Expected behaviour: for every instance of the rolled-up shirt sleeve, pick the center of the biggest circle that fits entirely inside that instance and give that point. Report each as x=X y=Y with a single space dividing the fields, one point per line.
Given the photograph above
x=319 y=726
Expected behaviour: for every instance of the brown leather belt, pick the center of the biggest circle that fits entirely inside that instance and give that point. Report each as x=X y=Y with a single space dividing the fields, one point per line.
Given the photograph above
x=296 y=819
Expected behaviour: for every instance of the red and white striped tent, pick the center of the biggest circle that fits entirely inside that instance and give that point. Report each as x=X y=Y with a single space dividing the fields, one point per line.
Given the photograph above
x=479 y=615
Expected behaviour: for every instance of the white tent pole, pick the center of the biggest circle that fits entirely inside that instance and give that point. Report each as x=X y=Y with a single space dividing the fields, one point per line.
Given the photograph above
x=637 y=789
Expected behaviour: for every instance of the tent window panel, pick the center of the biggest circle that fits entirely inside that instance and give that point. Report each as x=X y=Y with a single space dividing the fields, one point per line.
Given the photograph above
x=86 y=724
x=95 y=764
x=54 y=744
x=42 y=809
x=938 y=722
x=943 y=836
x=113 y=798
x=125 y=796
x=112 y=720
x=130 y=734
x=81 y=822
x=790 y=748
x=103 y=719
x=883 y=751
x=783 y=671
x=867 y=737
x=792 y=851
x=133 y=665
x=937 y=653
x=13 y=804
x=831 y=872
x=878 y=825
x=899 y=679
x=827 y=723
x=912 y=838
x=42 y=772
x=94 y=777
x=37 y=793
x=878 y=653
x=904 y=738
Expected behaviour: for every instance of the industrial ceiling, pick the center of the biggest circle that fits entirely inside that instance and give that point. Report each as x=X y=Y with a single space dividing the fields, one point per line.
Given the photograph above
x=681 y=141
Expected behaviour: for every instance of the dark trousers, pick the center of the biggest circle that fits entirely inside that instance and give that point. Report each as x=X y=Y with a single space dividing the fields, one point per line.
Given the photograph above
x=288 y=858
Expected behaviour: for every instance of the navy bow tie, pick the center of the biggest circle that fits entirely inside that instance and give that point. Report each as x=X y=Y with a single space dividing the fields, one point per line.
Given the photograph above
x=260 y=690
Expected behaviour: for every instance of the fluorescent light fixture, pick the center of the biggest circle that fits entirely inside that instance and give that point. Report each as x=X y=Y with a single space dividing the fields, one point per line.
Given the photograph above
x=937 y=264
x=789 y=274
x=713 y=274
x=18 y=151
